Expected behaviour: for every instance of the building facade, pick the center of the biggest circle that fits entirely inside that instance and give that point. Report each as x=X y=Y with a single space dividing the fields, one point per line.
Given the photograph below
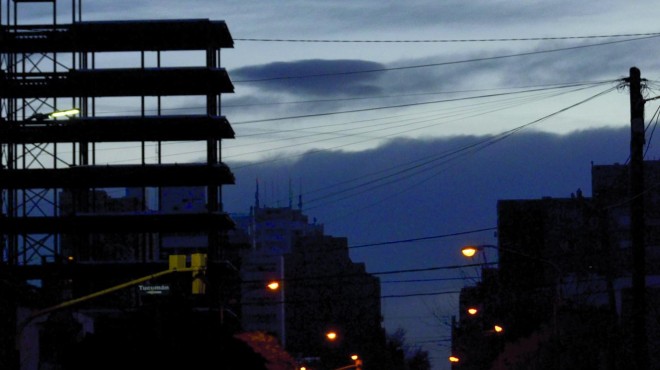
x=322 y=290
x=563 y=281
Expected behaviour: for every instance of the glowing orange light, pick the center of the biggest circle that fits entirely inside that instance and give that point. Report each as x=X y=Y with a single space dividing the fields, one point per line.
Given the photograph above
x=498 y=329
x=331 y=335
x=472 y=311
x=69 y=258
x=274 y=285
x=454 y=359
x=354 y=357
x=469 y=251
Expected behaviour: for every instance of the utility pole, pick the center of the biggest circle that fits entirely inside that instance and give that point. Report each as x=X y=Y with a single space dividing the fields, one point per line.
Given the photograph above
x=639 y=340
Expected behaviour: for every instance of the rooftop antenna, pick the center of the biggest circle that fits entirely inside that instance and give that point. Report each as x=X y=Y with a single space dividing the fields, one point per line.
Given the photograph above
x=256 y=195
x=300 y=202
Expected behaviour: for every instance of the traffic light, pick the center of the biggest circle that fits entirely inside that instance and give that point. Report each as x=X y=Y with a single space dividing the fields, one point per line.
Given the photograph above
x=198 y=264
x=177 y=261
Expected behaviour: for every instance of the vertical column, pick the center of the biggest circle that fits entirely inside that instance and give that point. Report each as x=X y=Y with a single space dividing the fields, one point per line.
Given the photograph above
x=637 y=220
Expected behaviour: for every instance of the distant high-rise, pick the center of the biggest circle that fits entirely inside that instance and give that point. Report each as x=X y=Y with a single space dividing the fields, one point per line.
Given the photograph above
x=322 y=289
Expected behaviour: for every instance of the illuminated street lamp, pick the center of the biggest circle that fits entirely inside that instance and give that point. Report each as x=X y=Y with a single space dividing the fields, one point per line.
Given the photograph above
x=471 y=250
x=331 y=335
x=498 y=329
x=472 y=311
x=273 y=285
x=454 y=359
x=357 y=364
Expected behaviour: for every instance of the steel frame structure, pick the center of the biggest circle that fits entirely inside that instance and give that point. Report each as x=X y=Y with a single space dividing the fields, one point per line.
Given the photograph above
x=47 y=66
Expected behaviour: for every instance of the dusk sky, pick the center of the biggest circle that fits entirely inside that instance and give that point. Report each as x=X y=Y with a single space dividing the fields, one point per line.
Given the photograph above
x=409 y=120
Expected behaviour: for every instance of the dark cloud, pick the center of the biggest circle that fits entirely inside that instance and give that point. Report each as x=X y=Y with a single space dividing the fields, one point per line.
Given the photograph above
x=570 y=62
x=453 y=72
x=324 y=77
x=526 y=165
x=450 y=195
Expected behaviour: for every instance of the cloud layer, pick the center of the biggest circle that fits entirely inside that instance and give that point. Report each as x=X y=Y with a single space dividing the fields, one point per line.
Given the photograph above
x=387 y=194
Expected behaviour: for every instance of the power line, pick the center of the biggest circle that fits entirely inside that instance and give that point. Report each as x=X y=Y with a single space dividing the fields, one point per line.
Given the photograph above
x=379 y=128
x=472 y=148
x=420 y=294
x=547 y=38
x=429 y=280
x=423 y=238
x=445 y=63
x=416 y=104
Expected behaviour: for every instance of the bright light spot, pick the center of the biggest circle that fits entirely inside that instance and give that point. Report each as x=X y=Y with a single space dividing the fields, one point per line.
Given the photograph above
x=354 y=357
x=273 y=285
x=472 y=311
x=64 y=113
x=498 y=329
x=469 y=251
x=453 y=359
x=331 y=335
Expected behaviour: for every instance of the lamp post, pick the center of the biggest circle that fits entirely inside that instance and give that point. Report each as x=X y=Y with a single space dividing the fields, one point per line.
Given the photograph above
x=357 y=364
x=472 y=250
x=256 y=297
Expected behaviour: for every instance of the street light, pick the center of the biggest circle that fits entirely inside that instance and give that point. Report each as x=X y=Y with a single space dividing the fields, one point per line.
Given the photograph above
x=259 y=297
x=331 y=335
x=471 y=250
x=357 y=364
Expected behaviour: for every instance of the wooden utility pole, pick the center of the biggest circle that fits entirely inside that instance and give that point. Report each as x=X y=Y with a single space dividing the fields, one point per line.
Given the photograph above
x=639 y=340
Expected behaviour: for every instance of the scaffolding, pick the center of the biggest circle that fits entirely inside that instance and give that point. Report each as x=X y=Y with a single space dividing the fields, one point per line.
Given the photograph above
x=46 y=66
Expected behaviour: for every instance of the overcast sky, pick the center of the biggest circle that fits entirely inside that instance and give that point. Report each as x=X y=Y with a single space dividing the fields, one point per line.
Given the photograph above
x=390 y=139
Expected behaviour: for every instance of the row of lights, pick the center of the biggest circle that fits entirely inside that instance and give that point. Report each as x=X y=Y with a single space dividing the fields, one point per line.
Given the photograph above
x=331 y=335
x=469 y=252
x=357 y=361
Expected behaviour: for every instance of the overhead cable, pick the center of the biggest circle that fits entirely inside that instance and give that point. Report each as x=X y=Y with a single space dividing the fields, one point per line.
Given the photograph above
x=546 y=38
x=446 y=63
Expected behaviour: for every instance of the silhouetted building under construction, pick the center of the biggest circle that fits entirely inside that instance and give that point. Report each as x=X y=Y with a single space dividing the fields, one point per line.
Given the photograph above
x=65 y=233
